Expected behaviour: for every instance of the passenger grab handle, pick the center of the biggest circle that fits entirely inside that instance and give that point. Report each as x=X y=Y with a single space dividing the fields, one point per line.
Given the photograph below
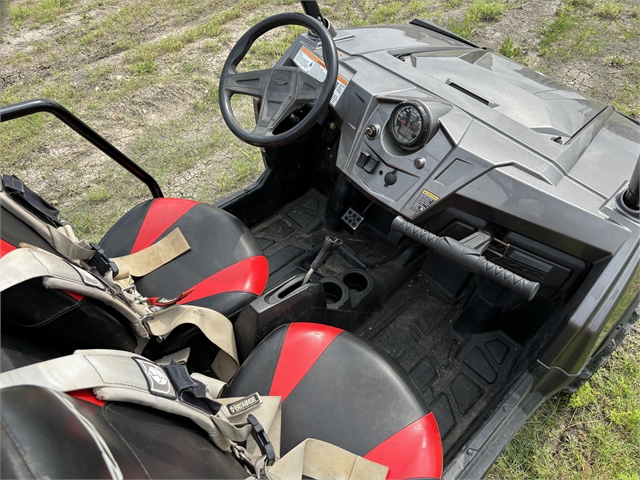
x=466 y=257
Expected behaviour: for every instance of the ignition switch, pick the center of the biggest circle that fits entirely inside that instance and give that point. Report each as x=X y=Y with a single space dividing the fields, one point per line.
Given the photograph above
x=372 y=131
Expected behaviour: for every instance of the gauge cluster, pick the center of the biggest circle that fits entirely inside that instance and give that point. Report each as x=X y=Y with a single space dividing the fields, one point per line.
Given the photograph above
x=395 y=151
x=411 y=125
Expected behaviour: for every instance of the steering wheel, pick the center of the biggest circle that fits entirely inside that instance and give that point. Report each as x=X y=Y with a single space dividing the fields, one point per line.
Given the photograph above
x=281 y=89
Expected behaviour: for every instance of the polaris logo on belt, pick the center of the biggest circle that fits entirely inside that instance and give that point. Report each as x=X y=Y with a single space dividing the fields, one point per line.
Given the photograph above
x=243 y=405
x=157 y=380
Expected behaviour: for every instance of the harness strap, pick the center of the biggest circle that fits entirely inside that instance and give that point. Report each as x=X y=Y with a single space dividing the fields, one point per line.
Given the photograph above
x=24 y=264
x=126 y=377
x=64 y=241
x=66 y=246
x=153 y=257
x=215 y=326
x=317 y=459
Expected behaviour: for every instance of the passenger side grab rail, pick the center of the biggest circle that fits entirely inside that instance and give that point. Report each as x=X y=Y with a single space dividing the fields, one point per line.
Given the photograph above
x=23 y=109
x=466 y=257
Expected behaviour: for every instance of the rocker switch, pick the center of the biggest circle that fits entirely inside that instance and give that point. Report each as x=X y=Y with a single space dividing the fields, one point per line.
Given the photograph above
x=371 y=165
x=363 y=159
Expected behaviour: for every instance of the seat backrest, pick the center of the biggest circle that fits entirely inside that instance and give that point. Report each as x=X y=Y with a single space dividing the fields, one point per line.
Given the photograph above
x=57 y=319
x=46 y=434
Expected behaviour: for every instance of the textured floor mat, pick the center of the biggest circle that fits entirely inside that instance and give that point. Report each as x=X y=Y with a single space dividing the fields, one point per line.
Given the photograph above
x=459 y=377
x=293 y=236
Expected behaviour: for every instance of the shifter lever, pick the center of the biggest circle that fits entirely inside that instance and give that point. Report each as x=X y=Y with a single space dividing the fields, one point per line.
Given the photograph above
x=329 y=245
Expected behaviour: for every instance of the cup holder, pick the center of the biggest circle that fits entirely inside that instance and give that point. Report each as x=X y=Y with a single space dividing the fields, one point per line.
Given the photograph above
x=361 y=292
x=335 y=292
x=356 y=281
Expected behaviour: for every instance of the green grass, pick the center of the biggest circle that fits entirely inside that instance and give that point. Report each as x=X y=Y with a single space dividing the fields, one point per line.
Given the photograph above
x=478 y=12
x=484 y=11
x=592 y=434
x=508 y=49
x=608 y=10
x=557 y=30
x=38 y=12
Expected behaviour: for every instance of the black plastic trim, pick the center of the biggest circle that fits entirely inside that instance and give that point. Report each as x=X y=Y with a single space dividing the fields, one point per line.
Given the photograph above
x=442 y=31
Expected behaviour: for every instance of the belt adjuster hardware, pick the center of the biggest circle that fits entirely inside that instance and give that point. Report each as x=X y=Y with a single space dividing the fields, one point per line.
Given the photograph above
x=260 y=436
x=102 y=263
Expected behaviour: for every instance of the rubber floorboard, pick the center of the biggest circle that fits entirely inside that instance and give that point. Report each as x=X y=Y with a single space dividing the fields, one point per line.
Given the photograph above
x=293 y=236
x=459 y=377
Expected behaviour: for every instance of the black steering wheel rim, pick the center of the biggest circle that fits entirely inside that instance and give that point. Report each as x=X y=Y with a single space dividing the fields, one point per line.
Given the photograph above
x=239 y=51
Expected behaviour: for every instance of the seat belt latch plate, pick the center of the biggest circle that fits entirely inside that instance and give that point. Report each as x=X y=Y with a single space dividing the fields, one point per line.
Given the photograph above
x=262 y=440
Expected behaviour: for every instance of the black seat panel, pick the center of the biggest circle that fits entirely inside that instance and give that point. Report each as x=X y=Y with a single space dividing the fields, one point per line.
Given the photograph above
x=42 y=436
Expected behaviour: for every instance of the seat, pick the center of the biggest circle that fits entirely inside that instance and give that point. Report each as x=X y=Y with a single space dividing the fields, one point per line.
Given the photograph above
x=46 y=434
x=341 y=389
x=335 y=387
x=225 y=266
x=225 y=270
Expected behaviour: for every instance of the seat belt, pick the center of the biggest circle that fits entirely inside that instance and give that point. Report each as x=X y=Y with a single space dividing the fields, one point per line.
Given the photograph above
x=62 y=238
x=321 y=460
x=126 y=377
x=153 y=257
x=24 y=264
x=120 y=376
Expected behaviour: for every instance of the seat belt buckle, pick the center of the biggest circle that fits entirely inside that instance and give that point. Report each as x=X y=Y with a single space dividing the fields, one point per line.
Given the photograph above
x=101 y=262
x=260 y=436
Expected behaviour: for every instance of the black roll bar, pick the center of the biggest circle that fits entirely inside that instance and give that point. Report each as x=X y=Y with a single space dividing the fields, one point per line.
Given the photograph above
x=631 y=195
x=23 y=109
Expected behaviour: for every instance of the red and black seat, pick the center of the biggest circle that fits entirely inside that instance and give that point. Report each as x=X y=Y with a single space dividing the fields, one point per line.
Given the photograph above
x=225 y=269
x=335 y=387
x=225 y=266
x=338 y=388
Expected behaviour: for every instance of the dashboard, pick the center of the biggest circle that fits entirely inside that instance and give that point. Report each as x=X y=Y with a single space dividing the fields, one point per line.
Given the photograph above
x=427 y=124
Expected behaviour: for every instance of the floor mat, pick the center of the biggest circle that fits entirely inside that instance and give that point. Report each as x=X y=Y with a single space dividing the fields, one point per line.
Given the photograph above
x=293 y=236
x=459 y=377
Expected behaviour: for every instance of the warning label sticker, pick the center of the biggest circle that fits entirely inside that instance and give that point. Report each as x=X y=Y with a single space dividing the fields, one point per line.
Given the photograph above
x=424 y=201
x=310 y=63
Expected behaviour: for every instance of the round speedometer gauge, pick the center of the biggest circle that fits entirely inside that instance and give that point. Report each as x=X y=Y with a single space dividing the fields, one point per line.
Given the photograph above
x=410 y=124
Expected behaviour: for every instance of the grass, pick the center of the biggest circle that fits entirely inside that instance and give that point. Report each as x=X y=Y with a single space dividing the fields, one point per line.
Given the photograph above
x=479 y=11
x=144 y=74
x=508 y=49
x=592 y=434
x=38 y=12
x=608 y=10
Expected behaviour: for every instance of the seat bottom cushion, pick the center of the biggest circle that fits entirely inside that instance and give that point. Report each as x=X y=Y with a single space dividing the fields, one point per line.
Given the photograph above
x=225 y=268
x=338 y=388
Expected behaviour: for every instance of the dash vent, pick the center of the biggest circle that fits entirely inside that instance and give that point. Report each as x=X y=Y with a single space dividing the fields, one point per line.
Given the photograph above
x=475 y=96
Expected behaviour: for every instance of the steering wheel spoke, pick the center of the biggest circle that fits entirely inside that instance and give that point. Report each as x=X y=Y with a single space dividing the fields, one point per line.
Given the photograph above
x=248 y=83
x=263 y=131
x=308 y=88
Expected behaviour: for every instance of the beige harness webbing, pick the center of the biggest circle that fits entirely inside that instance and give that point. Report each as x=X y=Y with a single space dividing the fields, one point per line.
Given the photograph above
x=24 y=264
x=126 y=377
